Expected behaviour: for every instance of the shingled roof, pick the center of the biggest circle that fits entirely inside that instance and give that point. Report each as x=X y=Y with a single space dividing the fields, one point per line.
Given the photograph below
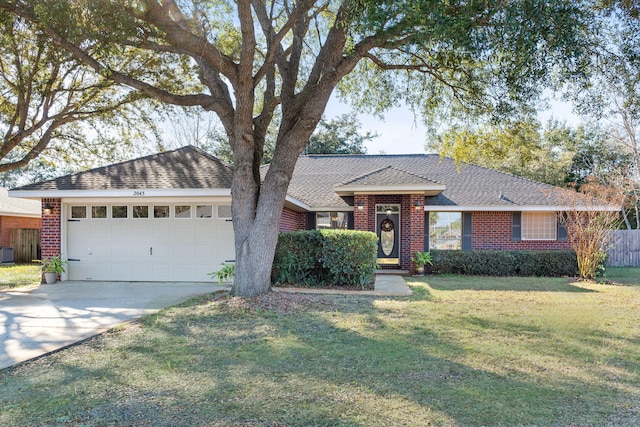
x=185 y=168
x=10 y=206
x=465 y=185
x=323 y=181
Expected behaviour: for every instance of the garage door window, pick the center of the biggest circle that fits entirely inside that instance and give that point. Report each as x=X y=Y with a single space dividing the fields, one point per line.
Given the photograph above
x=161 y=211
x=204 y=211
x=140 y=211
x=98 y=211
x=224 y=211
x=118 y=211
x=182 y=211
x=78 y=212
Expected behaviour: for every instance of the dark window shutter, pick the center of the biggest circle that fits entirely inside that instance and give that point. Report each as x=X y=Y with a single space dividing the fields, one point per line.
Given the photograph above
x=311 y=220
x=426 y=231
x=350 y=221
x=516 y=226
x=563 y=236
x=467 y=231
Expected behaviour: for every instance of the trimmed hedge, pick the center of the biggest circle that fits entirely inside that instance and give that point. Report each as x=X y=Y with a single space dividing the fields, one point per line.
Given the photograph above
x=505 y=263
x=342 y=258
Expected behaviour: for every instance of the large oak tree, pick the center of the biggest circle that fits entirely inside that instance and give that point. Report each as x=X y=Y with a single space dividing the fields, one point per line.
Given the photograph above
x=50 y=100
x=257 y=61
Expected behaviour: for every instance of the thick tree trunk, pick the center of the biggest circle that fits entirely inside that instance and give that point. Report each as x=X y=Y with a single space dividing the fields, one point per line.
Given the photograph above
x=256 y=215
x=256 y=224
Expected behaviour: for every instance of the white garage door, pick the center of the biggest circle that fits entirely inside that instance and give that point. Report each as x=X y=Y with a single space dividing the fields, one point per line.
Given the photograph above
x=154 y=242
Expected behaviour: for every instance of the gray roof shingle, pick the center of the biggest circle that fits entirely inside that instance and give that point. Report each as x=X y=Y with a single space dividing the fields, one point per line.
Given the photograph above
x=185 y=168
x=388 y=176
x=11 y=206
x=315 y=176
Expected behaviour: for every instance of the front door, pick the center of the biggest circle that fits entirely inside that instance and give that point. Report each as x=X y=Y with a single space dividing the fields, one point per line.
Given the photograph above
x=388 y=230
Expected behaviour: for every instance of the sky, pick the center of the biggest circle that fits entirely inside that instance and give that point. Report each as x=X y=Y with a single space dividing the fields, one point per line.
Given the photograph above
x=402 y=133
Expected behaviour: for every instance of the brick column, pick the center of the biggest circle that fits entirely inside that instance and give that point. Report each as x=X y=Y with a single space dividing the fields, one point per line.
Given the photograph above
x=415 y=227
x=51 y=229
x=362 y=217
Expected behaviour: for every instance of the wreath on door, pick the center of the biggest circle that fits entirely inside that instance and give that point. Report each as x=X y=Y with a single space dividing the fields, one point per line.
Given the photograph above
x=387 y=225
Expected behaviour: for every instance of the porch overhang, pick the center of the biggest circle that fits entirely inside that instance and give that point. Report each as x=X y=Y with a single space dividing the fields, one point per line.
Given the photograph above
x=431 y=189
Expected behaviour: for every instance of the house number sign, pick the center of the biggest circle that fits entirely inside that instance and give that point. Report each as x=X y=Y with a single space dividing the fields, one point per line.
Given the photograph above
x=138 y=193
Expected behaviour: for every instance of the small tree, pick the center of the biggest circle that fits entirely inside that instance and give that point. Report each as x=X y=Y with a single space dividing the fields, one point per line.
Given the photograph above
x=592 y=213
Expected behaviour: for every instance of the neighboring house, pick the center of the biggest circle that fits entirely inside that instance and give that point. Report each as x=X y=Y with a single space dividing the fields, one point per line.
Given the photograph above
x=168 y=216
x=17 y=215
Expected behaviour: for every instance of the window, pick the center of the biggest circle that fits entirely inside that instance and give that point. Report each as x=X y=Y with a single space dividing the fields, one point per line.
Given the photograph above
x=98 y=211
x=224 y=212
x=78 y=211
x=539 y=226
x=204 y=211
x=161 y=211
x=445 y=230
x=182 y=211
x=118 y=211
x=140 y=211
x=331 y=221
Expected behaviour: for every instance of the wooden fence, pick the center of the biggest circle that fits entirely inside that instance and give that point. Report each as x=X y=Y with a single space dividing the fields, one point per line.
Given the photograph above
x=626 y=249
x=26 y=244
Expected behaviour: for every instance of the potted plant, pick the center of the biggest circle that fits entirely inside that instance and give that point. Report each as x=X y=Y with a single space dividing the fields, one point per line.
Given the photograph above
x=420 y=259
x=52 y=267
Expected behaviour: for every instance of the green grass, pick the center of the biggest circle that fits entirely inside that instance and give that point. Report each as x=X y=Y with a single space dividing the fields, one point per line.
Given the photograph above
x=463 y=351
x=15 y=276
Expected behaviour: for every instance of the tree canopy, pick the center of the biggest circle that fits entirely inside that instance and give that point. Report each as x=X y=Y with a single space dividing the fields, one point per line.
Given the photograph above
x=50 y=100
x=252 y=62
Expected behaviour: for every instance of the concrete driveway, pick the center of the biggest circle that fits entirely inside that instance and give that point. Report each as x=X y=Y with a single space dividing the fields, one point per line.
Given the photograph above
x=36 y=321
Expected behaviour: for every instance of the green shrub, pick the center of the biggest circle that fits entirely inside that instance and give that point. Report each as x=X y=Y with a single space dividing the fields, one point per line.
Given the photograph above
x=505 y=263
x=297 y=258
x=349 y=257
x=325 y=258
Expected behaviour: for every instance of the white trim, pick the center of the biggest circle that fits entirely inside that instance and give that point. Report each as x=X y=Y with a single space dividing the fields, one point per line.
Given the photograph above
x=21 y=214
x=550 y=208
x=332 y=209
x=135 y=193
x=426 y=189
x=296 y=203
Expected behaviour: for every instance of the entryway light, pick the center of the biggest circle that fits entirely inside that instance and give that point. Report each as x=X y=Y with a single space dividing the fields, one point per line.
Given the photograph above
x=359 y=206
x=47 y=208
x=417 y=205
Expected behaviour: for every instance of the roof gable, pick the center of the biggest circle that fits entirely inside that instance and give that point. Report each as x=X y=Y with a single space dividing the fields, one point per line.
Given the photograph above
x=389 y=180
x=184 y=168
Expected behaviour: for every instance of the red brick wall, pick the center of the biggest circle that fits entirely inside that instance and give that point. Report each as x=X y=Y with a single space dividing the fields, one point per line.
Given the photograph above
x=7 y=223
x=413 y=238
x=364 y=219
x=291 y=220
x=492 y=230
x=50 y=234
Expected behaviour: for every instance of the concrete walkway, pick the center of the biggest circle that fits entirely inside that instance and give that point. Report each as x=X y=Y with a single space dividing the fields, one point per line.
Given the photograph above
x=36 y=321
x=390 y=285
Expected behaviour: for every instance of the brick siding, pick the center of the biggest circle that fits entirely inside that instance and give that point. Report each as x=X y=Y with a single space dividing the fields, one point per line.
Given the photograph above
x=8 y=223
x=291 y=220
x=492 y=230
x=50 y=234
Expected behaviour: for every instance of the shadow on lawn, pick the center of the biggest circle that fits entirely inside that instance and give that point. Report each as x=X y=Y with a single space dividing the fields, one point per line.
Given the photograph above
x=316 y=368
x=517 y=284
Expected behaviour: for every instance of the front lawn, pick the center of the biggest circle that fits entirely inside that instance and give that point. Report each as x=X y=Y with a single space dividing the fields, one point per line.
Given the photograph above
x=463 y=351
x=15 y=276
